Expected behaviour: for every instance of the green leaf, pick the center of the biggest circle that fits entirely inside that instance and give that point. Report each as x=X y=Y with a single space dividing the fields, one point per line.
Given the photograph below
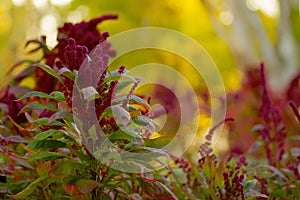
x=121 y=85
x=120 y=135
x=36 y=94
x=86 y=186
x=52 y=132
x=45 y=144
x=90 y=93
x=58 y=96
x=107 y=156
x=156 y=190
x=133 y=100
x=145 y=154
x=45 y=121
x=106 y=113
x=50 y=71
x=121 y=115
x=145 y=122
x=158 y=142
x=31 y=106
x=83 y=157
x=135 y=196
x=250 y=184
x=15 y=139
x=92 y=132
x=278 y=193
x=69 y=168
x=21 y=161
x=66 y=73
x=275 y=171
x=46 y=156
x=253 y=194
x=60 y=115
x=29 y=189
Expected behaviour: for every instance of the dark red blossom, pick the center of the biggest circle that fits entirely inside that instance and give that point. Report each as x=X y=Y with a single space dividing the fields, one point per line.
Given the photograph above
x=205 y=148
x=74 y=55
x=13 y=106
x=241 y=162
x=263 y=183
x=274 y=132
x=183 y=164
x=233 y=189
x=85 y=34
x=121 y=69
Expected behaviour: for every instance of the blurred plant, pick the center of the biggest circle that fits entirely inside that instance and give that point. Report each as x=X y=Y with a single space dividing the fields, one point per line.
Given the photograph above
x=55 y=163
x=44 y=153
x=248 y=37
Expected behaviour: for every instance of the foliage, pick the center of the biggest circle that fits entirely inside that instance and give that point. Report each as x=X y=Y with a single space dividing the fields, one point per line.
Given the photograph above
x=44 y=153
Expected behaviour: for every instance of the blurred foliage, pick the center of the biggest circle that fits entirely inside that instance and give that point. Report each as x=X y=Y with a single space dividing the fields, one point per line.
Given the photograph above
x=253 y=36
x=269 y=170
x=236 y=36
x=188 y=17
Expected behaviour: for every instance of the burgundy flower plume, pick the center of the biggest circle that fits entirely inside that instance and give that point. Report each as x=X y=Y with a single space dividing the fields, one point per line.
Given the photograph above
x=274 y=132
x=85 y=34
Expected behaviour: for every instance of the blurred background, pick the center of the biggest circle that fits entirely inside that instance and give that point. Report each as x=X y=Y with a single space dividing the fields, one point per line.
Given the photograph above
x=236 y=34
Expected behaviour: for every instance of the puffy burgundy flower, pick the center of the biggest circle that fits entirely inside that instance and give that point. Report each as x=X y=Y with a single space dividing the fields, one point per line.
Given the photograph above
x=85 y=34
x=13 y=106
x=274 y=132
x=74 y=55
x=233 y=189
x=205 y=148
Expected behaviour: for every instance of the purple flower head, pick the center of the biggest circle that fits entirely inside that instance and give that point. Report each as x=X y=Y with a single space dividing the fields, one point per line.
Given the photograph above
x=263 y=183
x=12 y=105
x=205 y=148
x=274 y=131
x=86 y=35
x=74 y=54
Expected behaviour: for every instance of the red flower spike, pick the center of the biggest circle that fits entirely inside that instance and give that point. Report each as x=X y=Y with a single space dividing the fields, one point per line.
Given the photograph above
x=205 y=148
x=84 y=33
x=14 y=106
x=274 y=131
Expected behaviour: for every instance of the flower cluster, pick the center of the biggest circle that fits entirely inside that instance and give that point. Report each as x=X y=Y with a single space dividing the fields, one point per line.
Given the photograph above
x=274 y=132
x=9 y=103
x=86 y=35
x=45 y=135
x=205 y=148
x=235 y=190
